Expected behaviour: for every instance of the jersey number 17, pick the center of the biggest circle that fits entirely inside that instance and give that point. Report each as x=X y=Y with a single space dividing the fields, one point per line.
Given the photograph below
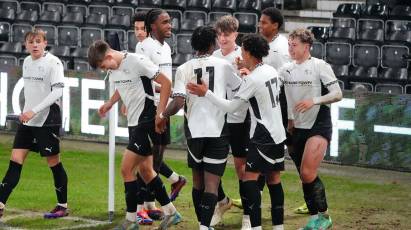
x=275 y=99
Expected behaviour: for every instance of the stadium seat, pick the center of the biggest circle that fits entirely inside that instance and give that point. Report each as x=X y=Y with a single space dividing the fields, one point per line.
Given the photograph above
x=5 y=28
x=68 y=36
x=149 y=3
x=366 y=55
x=341 y=34
x=119 y=21
x=27 y=16
x=338 y=53
x=11 y=47
x=77 y=8
x=73 y=18
x=7 y=15
x=132 y=3
x=401 y=12
x=398 y=32
x=51 y=33
x=80 y=52
x=408 y=89
x=99 y=9
x=121 y=35
x=6 y=60
x=247 y=22
x=122 y=10
x=180 y=58
x=370 y=30
x=89 y=35
x=31 y=6
x=364 y=72
x=9 y=5
x=394 y=73
x=54 y=6
x=176 y=18
x=368 y=86
x=175 y=4
x=131 y=41
x=317 y=50
x=343 y=22
x=224 y=5
x=249 y=6
x=214 y=16
x=389 y=88
x=320 y=32
x=204 y=5
x=394 y=56
x=341 y=84
x=81 y=65
x=171 y=41
x=96 y=20
x=375 y=11
x=192 y=20
x=60 y=51
x=341 y=71
x=103 y=2
x=184 y=44
x=18 y=31
x=52 y=17
x=351 y=10
x=267 y=3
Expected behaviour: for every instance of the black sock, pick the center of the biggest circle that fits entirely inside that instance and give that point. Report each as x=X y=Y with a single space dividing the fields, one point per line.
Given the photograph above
x=261 y=182
x=242 y=196
x=208 y=202
x=318 y=194
x=131 y=192
x=60 y=182
x=277 y=203
x=197 y=195
x=221 y=194
x=10 y=180
x=157 y=186
x=308 y=197
x=253 y=201
x=141 y=191
x=165 y=170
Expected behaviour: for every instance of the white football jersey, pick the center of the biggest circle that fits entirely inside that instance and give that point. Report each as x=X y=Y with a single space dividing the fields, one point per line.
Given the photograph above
x=159 y=54
x=133 y=80
x=240 y=115
x=261 y=88
x=204 y=119
x=39 y=77
x=278 y=54
x=306 y=81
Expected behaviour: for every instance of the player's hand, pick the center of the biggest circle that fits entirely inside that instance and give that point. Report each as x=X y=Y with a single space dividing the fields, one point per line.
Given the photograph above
x=161 y=124
x=197 y=89
x=123 y=110
x=104 y=109
x=27 y=116
x=304 y=105
x=244 y=71
x=290 y=127
x=239 y=63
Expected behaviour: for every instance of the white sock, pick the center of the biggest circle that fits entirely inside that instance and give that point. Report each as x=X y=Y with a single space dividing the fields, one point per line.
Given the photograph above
x=278 y=227
x=131 y=216
x=2 y=206
x=173 y=178
x=246 y=223
x=223 y=201
x=62 y=205
x=314 y=216
x=169 y=209
x=257 y=228
x=150 y=205
x=202 y=227
x=139 y=207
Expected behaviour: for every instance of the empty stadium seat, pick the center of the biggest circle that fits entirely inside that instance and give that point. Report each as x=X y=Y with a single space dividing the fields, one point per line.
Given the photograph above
x=97 y=20
x=401 y=12
x=99 y=9
x=31 y=6
x=247 y=22
x=81 y=65
x=60 y=51
x=18 y=31
x=192 y=20
x=389 y=88
x=5 y=29
x=364 y=72
x=9 y=5
x=6 y=60
x=348 y=10
x=149 y=3
x=122 y=10
x=89 y=35
x=214 y=16
x=80 y=52
x=52 y=17
x=375 y=11
x=171 y=41
x=176 y=18
x=267 y=3
x=363 y=85
x=103 y=2
x=180 y=58
x=338 y=53
x=343 y=22
x=184 y=44
x=11 y=47
x=320 y=32
x=68 y=36
x=122 y=36
x=317 y=50
x=77 y=8
x=73 y=18
x=54 y=6
x=27 y=16
x=131 y=41
x=119 y=21
x=132 y=3
x=394 y=73
x=224 y=5
x=370 y=30
x=341 y=71
x=341 y=34
x=408 y=89
x=249 y=6
x=204 y=5
x=175 y=4
x=394 y=56
x=366 y=55
x=398 y=32
x=51 y=33
x=7 y=15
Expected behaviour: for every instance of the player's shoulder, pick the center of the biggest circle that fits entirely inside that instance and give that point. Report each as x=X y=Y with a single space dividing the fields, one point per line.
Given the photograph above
x=51 y=59
x=219 y=61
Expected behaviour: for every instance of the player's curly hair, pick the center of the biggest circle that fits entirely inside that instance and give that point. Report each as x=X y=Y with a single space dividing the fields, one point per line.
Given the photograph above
x=203 y=38
x=151 y=17
x=140 y=16
x=256 y=45
x=275 y=15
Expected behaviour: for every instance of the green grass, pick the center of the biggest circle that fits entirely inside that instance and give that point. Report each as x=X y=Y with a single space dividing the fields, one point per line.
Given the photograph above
x=354 y=204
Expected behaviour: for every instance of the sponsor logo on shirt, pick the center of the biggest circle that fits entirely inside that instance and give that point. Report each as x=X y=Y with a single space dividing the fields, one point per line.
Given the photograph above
x=123 y=82
x=298 y=83
x=34 y=78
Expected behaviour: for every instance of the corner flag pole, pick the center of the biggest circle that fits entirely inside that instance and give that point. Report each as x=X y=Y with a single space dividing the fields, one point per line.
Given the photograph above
x=111 y=158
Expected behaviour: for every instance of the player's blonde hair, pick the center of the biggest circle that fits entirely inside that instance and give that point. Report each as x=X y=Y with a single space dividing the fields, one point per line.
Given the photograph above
x=304 y=35
x=34 y=33
x=226 y=24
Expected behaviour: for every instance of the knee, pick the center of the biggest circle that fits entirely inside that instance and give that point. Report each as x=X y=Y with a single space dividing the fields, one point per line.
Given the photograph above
x=53 y=160
x=307 y=175
x=274 y=178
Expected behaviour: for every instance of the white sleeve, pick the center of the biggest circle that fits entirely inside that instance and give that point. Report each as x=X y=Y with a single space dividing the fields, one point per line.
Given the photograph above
x=329 y=80
x=56 y=73
x=233 y=80
x=246 y=91
x=225 y=105
x=53 y=96
x=179 y=84
x=145 y=67
x=290 y=109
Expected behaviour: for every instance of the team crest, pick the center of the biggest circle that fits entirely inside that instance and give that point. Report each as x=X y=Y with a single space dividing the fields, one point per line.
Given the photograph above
x=308 y=72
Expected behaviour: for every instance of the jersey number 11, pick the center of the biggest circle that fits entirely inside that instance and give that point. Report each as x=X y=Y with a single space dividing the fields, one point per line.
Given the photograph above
x=210 y=71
